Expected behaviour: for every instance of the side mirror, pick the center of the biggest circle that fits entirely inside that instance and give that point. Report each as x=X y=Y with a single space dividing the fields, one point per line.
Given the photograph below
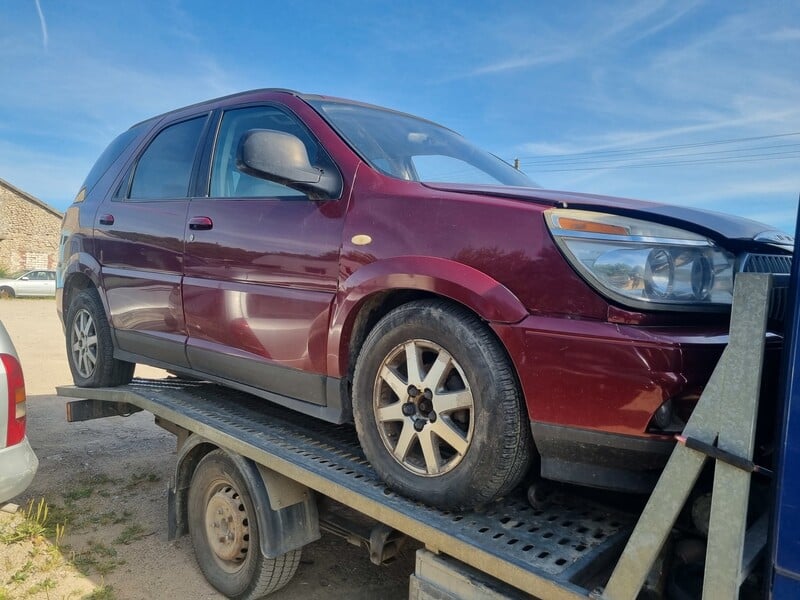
x=282 y=157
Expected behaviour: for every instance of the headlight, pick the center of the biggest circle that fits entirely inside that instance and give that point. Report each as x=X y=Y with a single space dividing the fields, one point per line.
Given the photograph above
x=644 y=264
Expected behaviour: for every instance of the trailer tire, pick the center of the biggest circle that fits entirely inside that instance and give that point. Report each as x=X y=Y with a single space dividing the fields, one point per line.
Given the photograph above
x=455 y=435
x=90 y=349
x=225 y=533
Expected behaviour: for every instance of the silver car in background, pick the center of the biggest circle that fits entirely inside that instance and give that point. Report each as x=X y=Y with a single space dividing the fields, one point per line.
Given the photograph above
x=18 y=463
x=37 y=282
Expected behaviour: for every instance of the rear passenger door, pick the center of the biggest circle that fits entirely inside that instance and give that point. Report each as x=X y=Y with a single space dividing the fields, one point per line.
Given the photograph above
x=139 y=237
x=261 y=268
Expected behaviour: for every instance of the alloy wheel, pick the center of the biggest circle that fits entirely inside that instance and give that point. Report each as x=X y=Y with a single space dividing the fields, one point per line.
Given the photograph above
x=424 y=407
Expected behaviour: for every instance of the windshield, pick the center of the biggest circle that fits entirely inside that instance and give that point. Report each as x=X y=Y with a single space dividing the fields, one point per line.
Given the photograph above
x=409 y=148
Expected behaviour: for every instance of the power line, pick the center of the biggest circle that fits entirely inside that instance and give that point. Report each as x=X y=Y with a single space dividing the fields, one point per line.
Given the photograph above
x=592 y=160
x=645 y=165
x=668 y=155
x=650 y=149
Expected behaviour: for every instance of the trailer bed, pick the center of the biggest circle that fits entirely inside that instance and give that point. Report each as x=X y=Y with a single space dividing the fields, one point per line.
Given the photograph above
x=551 y=551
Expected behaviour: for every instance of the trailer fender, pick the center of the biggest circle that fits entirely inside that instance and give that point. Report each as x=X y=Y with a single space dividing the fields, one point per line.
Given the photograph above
x=286 y=511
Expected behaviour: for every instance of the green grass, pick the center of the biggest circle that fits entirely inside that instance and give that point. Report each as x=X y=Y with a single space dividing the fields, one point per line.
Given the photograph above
x=132 y=533
x=40 y=526
x=36 y=523
x=87 y=487
x=104 y=592
x=22 y=574
x=111 y=517
x=97 y=558
x=79 y=493
x=137 y=479
x=43 y=586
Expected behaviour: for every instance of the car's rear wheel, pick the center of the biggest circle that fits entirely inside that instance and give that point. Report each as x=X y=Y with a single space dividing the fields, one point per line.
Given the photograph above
x=90 y=349
x=437 y=407
x=7 y=292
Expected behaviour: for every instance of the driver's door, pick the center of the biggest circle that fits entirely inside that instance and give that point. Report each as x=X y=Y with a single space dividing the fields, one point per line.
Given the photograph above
x=260 y=269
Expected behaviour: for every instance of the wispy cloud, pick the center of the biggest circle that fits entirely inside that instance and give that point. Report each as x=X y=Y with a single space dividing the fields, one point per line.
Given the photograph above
x=785 y=34
x=43 y=23
x=541 y=46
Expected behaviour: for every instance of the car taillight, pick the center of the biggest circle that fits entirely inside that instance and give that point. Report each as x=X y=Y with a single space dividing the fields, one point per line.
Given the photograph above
x=16 y=400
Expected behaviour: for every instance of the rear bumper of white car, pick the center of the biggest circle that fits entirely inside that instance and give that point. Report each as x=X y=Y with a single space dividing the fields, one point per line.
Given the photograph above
x=18 y=465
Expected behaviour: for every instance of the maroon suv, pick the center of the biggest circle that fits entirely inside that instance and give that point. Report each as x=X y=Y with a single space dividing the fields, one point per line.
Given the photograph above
x=359 y=264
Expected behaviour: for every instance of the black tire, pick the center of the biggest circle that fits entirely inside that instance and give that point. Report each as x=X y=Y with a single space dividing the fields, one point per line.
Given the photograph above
x=7 y=292
x=220 y=501
x=90 y=349
x=467 y=408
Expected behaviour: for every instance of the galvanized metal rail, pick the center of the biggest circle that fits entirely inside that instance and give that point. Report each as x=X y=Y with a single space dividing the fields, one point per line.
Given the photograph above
x=549 y=552
x=723 y=421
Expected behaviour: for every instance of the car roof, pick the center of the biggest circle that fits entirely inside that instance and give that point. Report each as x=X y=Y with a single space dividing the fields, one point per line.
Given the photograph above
x=217 y=100
x=301 y=95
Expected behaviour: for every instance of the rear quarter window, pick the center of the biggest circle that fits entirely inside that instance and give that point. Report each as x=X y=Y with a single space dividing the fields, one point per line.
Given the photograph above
x=112 y=153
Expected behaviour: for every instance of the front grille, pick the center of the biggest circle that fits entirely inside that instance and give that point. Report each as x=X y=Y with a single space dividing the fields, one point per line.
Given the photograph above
x=767 y=263
x=777 y=264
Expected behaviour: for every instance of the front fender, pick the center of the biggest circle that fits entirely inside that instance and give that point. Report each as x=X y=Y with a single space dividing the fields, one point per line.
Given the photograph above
x=466 y=285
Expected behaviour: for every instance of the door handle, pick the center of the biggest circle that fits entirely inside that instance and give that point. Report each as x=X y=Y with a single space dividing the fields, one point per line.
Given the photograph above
x=106 y=219
x=200 y=223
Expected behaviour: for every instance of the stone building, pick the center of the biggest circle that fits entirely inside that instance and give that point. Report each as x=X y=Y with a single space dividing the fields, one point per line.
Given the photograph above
x=29 y=231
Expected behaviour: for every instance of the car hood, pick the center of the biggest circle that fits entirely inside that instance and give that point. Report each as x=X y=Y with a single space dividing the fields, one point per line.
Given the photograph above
x=717 y=226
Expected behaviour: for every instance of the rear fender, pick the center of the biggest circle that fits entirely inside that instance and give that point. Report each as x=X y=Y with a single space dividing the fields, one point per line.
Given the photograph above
x=461 y=283
x=83 y=265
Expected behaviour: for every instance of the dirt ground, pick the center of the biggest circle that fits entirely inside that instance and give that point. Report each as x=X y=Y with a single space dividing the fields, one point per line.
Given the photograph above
x=106 y=480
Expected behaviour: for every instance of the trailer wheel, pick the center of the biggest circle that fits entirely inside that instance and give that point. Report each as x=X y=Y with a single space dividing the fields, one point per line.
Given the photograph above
x=90 y=350
x=437 y=407
x=225 y=533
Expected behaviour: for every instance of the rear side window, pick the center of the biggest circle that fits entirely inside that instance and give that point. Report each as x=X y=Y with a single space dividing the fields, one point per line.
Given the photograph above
x=112 y=153
x=165 y=168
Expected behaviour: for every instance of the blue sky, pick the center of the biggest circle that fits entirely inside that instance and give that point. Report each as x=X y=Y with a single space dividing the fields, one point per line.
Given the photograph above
x=637 y=99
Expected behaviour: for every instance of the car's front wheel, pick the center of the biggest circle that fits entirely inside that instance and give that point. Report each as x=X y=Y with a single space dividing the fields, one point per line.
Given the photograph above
x=90 y=349
x=437 y=407
x=7 y=292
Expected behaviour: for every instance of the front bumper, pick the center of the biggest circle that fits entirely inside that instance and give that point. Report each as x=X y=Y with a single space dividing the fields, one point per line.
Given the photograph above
x=18 y=464
x=607 y=376
x=591 y=389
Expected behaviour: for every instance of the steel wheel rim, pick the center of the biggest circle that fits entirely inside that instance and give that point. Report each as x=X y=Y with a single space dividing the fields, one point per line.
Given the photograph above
x=433 y=437
x=227 y=526
x=83 y=343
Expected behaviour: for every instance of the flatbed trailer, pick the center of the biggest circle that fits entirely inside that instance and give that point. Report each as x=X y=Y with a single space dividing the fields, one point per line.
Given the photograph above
x=306 y=476
x=552 y=551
